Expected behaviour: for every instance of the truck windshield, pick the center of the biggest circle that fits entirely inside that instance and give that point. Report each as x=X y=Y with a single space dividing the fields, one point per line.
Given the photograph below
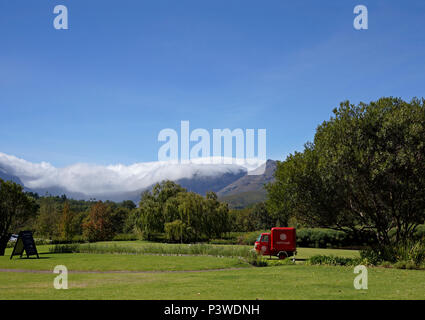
x=259 y=238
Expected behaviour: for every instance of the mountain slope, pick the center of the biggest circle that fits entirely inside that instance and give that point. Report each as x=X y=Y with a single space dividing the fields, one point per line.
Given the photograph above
x=8 y=177
x=244 y=199
x=249 y=189
x=201 y=184
x=250 y=183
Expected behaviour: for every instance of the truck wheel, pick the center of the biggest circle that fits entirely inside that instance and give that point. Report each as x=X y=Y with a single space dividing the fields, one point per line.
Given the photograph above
x=283 y=255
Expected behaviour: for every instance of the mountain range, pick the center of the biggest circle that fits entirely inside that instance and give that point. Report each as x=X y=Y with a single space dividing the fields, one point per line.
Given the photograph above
x=234 y=186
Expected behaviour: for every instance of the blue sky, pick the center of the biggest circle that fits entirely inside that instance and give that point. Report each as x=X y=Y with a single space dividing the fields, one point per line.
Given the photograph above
x=101 y=91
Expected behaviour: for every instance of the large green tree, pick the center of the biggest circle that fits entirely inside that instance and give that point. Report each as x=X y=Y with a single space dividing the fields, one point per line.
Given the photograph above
x=183 y=216
x=364 y=173
x=262 y=218
x=15 y=208
x=153 y=208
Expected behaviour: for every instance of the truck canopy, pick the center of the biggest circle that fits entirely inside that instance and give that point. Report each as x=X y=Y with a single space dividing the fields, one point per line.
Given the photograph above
x=283 y=239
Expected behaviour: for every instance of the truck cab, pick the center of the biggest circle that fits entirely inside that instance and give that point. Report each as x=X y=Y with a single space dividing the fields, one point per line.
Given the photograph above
x=280 y=242
x=262 y=245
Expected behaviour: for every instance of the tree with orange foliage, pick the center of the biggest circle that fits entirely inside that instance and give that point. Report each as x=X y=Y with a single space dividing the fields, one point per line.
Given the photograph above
x=98 y=226
x=66 y=225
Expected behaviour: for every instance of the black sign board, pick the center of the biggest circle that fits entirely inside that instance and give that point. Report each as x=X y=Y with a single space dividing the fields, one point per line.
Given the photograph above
x=25 y=242
x=3 y=243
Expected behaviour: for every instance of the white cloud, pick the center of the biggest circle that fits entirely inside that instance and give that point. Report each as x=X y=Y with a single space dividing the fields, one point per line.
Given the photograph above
x=95 y=180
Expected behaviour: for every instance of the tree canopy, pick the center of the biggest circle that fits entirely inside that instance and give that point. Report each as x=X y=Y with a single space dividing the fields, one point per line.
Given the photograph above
x=15 y=207
x=364 y=173
x=181 y=215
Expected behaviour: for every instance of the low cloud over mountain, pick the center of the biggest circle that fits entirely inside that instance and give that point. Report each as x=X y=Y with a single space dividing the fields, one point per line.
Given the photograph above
x=118 y=182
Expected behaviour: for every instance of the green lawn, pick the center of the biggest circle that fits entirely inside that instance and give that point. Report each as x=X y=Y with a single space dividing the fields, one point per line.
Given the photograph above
x=131 y=262
x=284 y=282
x=280 y=282
x=120 y=262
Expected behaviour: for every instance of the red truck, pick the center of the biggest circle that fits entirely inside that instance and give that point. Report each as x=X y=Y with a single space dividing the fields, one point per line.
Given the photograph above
x=280 y=242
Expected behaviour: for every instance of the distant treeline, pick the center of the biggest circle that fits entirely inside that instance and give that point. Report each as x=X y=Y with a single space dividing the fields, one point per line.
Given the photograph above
x=168 y=212
x=184 y=216
x=60 y=218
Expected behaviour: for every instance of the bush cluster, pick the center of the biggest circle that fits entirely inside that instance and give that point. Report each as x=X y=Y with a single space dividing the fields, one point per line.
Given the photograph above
x=333 y=261
x=327 y=238
x=409 y=255
x=307 y=238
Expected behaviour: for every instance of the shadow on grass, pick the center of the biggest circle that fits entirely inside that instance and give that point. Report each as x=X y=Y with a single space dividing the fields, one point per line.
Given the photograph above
x=31 y=258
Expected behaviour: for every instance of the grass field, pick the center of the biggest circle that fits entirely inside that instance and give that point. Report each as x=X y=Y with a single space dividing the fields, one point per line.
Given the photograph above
x=196 y=277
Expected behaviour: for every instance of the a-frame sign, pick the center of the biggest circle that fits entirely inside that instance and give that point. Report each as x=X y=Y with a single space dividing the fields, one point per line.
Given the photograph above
x=25 y=242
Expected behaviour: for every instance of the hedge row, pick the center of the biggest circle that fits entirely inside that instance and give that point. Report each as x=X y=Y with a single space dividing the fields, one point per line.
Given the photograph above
x=327 y=238
x=308 y=238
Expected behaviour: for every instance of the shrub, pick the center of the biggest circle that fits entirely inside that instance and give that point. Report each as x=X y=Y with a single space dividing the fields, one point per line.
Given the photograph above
x=373 y=256
x=333 y=261
x=411 y=253
x=259 y=262
x=256 y=260
x=75 y=239
x=65 y=248
x=125 y=237
x=223 y=241
x=406 y=265
x=281 y=262
x=419 y=233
